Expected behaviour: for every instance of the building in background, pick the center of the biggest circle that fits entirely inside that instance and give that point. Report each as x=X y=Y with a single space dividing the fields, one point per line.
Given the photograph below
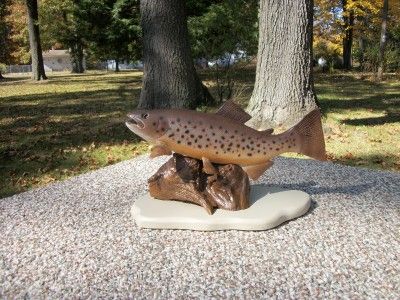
x=58 y=60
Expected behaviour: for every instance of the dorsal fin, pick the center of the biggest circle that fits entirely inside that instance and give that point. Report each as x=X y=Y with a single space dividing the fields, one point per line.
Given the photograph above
x=233 y=111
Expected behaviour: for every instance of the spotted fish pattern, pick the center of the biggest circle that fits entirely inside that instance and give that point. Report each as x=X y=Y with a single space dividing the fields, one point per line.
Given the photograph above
x=223 y=138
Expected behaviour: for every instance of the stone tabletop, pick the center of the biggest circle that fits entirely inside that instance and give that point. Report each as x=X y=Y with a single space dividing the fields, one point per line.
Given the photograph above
x=77 y=239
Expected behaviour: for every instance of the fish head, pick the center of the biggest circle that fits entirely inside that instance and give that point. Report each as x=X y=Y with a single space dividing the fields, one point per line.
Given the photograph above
x=148 y=124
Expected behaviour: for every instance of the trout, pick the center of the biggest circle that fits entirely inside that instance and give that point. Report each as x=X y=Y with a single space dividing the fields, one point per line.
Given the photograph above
x=223 y=137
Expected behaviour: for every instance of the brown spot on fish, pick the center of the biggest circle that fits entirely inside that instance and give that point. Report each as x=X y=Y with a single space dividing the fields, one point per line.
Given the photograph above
x=171 y=135
x=187 y=131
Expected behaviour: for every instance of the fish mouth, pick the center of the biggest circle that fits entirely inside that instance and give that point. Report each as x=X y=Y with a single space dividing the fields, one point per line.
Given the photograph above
x=135 y=121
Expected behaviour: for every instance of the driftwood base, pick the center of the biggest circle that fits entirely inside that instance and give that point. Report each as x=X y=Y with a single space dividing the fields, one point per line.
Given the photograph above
x=182 y=178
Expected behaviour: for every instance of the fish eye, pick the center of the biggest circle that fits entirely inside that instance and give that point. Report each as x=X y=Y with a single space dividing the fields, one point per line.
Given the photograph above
x=145 y=116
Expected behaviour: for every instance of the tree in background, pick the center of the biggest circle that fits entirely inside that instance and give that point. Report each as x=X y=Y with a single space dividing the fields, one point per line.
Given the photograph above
x=284 y=88
x=102 y=29
x=223 y=30
x=34 y=41
x=340 y=22
x=62 y=26
x=5 y=43
x=382 y=45
x=348 y=24
x=114 y=31
x=18 y=32
x=169 y=78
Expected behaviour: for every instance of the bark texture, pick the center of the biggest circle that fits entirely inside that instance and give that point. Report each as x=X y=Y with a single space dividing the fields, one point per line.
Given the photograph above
x=34 y=41
x=169 y=78
x=77 y=58
x=182 y=178
x=284 y=89
x=348 y=19
x=382 y=45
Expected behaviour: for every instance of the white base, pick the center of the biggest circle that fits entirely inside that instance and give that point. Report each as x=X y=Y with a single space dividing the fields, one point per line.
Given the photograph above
x=269 y=207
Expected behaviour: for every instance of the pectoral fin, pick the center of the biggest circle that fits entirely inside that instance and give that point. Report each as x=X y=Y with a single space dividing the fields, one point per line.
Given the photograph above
x=158 y=150
x=255 y=171
x=208 y=166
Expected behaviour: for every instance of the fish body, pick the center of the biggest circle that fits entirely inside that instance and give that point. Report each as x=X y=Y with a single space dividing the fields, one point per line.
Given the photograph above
x=223 y=137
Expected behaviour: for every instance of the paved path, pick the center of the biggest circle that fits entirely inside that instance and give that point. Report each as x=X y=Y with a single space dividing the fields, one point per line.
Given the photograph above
x=76 y=238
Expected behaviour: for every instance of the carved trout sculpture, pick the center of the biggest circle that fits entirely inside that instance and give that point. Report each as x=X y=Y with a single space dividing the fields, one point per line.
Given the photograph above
x=223 y=138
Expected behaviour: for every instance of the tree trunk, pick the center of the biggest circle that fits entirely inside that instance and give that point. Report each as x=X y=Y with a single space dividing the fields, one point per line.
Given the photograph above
x=284 y=88
x=34 y=41
x=116 y=65
x=77 y=58
x=169 y=79
x=381 y=58
x=348 y=19
x=361 y=45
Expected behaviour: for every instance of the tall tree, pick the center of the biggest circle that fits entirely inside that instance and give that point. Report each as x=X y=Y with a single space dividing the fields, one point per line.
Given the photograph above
x=170 y=79
x=61 y=23
x=383 y=39
x=4 y=36
x=34 y=41
x=284 y=89
x=348 y=20
x=114 y=31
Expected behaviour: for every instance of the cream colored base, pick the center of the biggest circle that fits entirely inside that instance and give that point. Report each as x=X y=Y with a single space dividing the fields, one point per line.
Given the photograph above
x=269 y=207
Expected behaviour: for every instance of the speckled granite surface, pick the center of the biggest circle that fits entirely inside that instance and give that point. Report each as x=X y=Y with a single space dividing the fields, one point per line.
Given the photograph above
x=77 y=239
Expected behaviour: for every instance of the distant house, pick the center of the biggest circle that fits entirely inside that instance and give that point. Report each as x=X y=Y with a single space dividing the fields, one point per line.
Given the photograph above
x=58 y=60
x=124 y=65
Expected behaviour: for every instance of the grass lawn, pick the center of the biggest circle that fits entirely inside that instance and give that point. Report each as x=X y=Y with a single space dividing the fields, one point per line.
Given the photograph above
x=71 y=124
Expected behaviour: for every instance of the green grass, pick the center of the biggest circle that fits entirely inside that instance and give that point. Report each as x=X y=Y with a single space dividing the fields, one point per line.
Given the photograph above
x=71 y=124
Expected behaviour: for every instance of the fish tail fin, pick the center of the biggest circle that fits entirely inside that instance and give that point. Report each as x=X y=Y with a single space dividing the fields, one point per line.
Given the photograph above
x=309 y=136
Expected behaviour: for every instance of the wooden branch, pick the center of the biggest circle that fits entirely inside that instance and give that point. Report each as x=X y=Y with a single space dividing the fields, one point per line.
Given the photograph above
x=182 y=178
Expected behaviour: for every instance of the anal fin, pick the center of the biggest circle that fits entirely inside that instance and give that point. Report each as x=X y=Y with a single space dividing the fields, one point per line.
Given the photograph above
x=158 y=150
x=255 y=171
x=208 y=166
